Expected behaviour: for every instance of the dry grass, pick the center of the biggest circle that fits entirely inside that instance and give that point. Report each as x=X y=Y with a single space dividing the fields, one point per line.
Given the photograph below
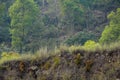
x=43 y=52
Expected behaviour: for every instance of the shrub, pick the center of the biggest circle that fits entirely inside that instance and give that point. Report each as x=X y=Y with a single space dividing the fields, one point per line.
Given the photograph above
x=88 y=65
x=73 y=49
x=56 y=62
x=80 y=38
x=47 y=65
x=77 y=59
x=91 y=44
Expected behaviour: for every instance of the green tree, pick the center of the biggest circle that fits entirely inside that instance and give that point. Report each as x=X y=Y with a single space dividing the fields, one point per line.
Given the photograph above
x=24 y=15
x=78 y=13
x=4 y=24
x=80 y=38
x=72 y=11
x=111 y=32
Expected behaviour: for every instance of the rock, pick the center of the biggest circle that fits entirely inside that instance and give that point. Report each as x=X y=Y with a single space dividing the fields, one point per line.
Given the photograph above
x=33 y=68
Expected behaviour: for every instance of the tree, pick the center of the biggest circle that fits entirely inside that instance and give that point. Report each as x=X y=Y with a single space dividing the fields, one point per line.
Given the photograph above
x=4 y=24
x=78 y=13
x=111 y=32
x=24 y=15
x=73 y=12
x=80 y=38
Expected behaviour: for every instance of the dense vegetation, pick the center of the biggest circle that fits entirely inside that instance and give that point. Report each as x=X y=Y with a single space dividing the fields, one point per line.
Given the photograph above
x=112 y=31
x=59 y=39
x=29 y=25
x=66 y=63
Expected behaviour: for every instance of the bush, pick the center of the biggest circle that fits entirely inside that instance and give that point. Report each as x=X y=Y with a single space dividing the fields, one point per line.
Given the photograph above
x=91 y=44
x=81 y=38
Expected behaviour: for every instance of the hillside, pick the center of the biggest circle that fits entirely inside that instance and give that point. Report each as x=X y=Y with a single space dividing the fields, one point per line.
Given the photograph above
x=51 y=23
x=76 y=64
x=59 y=39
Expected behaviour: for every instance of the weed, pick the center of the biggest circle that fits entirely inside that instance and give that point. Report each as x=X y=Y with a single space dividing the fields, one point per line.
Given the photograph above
x=88 y=64
x=77 y=59
x=47 y=65
x=21 y=66
x=56 y=61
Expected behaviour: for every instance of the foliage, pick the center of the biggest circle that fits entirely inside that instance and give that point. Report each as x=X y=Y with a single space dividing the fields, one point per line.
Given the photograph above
x=56 y=61
x=47 y=65
x=80 y=38
x=22 y=23
x=73 y=10
x=39 y=23
x=112 y=31
x=91 y=44
x=77 y=59
x=4 y=24
x=88 y=64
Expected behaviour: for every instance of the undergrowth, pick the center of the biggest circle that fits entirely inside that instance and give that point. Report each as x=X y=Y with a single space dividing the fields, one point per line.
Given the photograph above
x=89 y=46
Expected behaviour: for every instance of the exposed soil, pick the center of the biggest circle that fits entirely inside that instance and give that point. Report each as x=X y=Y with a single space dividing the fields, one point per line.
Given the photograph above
x=81 y=65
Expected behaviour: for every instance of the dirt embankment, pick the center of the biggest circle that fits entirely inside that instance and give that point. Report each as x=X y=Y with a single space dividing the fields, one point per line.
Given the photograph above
x=80 y=65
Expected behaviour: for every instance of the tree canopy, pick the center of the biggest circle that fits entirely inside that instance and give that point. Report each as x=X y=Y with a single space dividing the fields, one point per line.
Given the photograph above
x=111 y=32
x=27 y=25
x=24 y=14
